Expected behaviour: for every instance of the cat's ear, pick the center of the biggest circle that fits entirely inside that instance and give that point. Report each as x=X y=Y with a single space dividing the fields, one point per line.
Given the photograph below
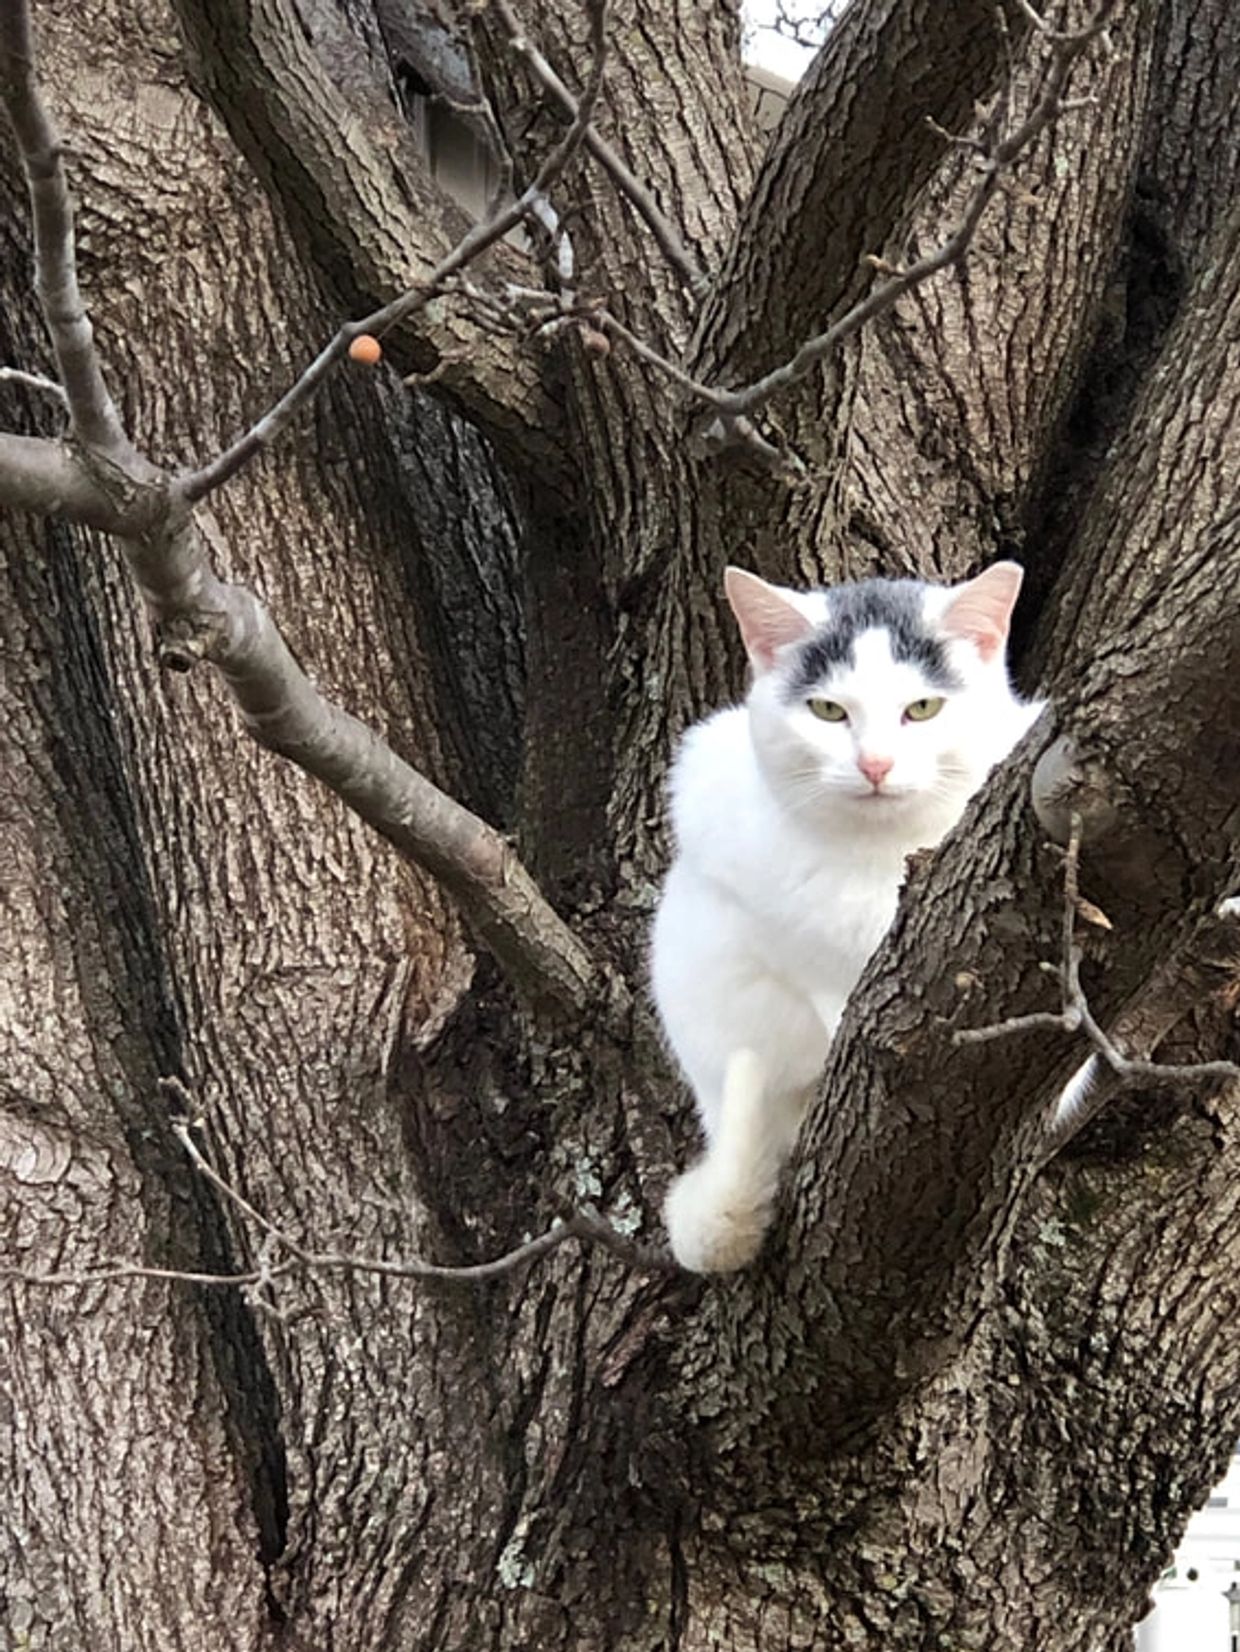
x=981 y=611
x=766 y=616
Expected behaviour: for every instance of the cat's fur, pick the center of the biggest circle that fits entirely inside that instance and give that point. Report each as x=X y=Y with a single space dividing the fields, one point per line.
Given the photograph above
x=790 y=858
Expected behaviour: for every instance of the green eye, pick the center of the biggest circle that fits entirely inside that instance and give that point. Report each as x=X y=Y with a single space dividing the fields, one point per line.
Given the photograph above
x=829 y=710
x=921 y=711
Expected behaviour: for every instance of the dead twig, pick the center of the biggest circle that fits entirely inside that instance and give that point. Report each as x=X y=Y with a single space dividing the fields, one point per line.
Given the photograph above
x=630 y=187
x=586 y=1227
x=1075 y=1016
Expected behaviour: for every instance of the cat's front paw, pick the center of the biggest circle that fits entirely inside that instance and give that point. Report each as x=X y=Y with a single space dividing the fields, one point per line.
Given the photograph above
x=714 y=1228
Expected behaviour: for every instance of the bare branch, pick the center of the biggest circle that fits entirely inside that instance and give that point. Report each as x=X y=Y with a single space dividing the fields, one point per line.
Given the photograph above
x=1076 y=1015
x=197 y=484
x=1041 y=1021
x=34 y=381
x=91 y=410
x=664 y=232
x=42 y=475
x=202 y=617
x=997 y=150
x=583 y=1226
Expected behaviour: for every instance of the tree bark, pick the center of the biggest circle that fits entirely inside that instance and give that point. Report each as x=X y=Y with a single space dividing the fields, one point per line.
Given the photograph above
x=972 y=1389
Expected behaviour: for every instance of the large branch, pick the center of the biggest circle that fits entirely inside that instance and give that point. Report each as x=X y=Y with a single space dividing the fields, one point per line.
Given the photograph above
x=1191 y=163
x=994 y=356
x=1181 y=441
x=373 y=222
x=169 y=551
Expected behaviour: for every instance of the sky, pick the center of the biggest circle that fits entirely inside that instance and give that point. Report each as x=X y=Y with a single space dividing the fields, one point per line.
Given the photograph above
x=763 y=46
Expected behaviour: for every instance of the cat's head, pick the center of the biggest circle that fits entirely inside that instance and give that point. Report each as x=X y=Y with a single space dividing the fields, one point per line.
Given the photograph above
x=885 y=701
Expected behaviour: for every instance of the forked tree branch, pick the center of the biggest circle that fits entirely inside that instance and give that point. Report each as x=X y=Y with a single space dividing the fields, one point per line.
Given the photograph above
x=997 y=149
x=169 y=552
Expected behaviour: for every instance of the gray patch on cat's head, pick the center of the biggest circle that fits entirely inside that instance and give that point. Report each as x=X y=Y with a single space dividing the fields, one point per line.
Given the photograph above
x=891 y=605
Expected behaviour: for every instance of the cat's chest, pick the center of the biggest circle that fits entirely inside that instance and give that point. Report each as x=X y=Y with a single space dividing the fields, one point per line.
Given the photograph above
x=819 y=920
x=811 y=916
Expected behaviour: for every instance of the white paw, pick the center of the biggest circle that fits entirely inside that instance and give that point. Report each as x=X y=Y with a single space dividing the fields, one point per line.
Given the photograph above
x=714 y=1229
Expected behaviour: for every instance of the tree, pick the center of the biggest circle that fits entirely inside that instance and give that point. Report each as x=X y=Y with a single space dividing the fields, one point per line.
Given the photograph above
x=977 y=1380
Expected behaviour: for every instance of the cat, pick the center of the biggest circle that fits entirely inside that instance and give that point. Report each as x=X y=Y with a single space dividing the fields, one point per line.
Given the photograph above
x=876 y=710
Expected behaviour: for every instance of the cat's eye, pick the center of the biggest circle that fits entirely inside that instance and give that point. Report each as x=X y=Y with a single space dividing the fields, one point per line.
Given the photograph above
x=921 y=711
x=830 y=711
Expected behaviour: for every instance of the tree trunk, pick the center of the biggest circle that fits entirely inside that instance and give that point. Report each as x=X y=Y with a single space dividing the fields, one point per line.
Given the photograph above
x=972 y=1388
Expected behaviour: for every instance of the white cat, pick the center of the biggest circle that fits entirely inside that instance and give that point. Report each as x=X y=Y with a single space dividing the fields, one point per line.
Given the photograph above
x=876 y=711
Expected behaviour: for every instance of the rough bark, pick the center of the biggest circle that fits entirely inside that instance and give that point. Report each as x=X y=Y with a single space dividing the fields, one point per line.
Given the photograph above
x=967 y=1396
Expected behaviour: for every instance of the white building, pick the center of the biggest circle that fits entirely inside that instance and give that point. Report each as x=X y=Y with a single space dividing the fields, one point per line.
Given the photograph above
x=1192 y=1609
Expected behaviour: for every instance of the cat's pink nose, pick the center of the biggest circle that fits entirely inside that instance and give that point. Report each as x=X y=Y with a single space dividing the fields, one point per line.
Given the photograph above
x=876 y=769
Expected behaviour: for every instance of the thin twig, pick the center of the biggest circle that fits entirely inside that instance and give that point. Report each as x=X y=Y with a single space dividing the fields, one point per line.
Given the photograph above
x=91 y=410
x=1000 y=151
x=531 y=308
x=195 y=485
x=664 y=232
x=108 y=1272
x=1075 y=1014
x=34 y=381
x=584 y=1226
x=1040 y=1021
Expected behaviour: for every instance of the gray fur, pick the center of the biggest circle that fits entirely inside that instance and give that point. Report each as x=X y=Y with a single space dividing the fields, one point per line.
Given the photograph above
x=892 y=605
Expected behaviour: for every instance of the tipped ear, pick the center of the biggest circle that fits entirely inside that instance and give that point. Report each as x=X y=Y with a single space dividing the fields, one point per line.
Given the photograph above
x=768 y=620
x=981 y=611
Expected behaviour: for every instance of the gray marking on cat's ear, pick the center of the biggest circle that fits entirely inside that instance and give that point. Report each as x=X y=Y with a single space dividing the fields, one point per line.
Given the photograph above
x=981 y=611
x=769 y=620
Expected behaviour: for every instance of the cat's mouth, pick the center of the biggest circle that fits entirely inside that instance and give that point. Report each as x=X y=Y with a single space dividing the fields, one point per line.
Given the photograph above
x=878 y=801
